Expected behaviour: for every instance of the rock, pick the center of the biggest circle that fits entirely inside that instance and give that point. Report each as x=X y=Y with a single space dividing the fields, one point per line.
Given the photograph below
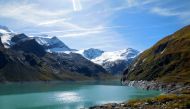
x=122 y=104
x=154 y=85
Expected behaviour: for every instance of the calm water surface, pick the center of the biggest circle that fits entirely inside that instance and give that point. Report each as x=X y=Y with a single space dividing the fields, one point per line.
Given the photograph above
x=65 y=95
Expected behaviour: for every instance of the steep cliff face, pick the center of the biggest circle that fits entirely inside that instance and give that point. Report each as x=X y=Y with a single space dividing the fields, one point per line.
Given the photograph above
x=24 y=58
x=52 y=44
x=167 y=61
x=1 y=44
x=30 y=46
x=25 y=66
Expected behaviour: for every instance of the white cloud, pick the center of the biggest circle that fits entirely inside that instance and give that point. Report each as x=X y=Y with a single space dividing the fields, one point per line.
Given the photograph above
x=136 y=4
x=54 y=21
x=81 y=34
x=106 y=40
x=164 y=11
x=77 y=5
x=33 y=15
x=83 y=23
x=184 y=15
x=166 y=8
x=80 y=18
x=30 y=13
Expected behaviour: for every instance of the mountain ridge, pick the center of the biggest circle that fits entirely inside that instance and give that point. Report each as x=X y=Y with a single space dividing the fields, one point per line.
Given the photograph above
x=114 y=62
x=25 y=59
x=90 y=53
x=167 y=61
x=52 y=44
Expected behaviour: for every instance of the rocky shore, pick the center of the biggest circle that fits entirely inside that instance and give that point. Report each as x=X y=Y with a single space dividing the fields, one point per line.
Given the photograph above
x=154 y=85
x=175 y=96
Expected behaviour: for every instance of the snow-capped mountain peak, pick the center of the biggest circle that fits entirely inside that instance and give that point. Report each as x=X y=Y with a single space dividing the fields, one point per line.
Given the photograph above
x=90 y=53
x=124 y=54
x=6 y=36
x=114 y=62
x=52 y=44
x=4 y=30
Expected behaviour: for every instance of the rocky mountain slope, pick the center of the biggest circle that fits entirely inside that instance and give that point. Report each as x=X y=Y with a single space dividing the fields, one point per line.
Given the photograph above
x=52 y=44
x=1 y=44
x=167 y=61
x=24 y=58
x=6 y=36
x=115 y=62
x=90 y=53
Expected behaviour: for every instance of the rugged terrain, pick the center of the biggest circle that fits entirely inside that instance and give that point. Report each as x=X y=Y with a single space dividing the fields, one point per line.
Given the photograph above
x=24 y=58
x=165 y=67
x=167 y=61
x=114 y=62
x=166 y=101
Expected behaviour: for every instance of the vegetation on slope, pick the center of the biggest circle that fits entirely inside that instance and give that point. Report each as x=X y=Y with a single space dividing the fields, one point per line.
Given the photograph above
x=167 y=61
x=169 y=101
x=179 y=99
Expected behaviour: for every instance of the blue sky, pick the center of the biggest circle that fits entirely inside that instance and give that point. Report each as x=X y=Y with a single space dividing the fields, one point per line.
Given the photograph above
x=104 y=24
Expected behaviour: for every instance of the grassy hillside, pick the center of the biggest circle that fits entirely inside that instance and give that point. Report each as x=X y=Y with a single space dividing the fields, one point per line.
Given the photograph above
x=167 y=61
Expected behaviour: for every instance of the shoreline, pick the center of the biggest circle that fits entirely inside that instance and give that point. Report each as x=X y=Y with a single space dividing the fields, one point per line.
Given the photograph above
x=154 y=85
x=173 y=93
x=62 y=81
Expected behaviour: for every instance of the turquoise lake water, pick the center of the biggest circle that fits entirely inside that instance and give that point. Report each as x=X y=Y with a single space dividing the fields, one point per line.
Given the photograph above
x=66 y=95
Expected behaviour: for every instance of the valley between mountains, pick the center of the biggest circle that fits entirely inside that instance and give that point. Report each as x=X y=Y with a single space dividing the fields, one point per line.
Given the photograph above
x=46 y=58
x=165 y=66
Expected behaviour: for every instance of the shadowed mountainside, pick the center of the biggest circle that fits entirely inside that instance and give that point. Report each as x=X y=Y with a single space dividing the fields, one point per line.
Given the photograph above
x=23 y=58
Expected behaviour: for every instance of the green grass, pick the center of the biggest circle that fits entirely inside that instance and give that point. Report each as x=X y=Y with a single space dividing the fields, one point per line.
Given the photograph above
x=169 y=101
x=172 y=65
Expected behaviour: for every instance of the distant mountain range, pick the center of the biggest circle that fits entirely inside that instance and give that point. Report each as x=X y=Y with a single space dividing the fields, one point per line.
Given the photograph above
x=90 y=53
x=115 y=62
x=43 y=52
x=40 y=58
x=50 y=44
x=167 y=61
